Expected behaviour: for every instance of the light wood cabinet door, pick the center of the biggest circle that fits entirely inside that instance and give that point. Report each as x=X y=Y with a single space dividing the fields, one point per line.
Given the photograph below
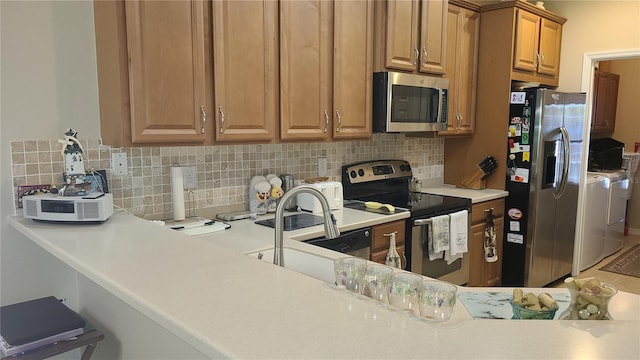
x=166 y=53
x=461 y=70
x=549 y=48
x=246 y=72
x=526 y=41
x=433 y=36
x=352 y=69
x=605 y=102
x=537 y=47
x=401 y=48
x=414 y=35
x=482 y=273
x=305 y=63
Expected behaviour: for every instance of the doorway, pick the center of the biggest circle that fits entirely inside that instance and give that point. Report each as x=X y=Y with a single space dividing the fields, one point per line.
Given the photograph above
x=588 y=67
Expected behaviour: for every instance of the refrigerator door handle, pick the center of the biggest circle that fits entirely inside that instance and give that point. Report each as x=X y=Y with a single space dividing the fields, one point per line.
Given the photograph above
x=565 y=163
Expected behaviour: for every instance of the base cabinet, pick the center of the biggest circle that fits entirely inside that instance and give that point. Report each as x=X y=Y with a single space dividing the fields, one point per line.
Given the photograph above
x=380 y=241
x=481 y=272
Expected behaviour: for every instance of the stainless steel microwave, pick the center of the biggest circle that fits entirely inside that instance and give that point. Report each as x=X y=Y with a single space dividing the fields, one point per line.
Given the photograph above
x=409 y=103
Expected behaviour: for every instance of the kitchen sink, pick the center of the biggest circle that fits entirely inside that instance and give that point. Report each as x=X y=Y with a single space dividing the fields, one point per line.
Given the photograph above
x=313 y=265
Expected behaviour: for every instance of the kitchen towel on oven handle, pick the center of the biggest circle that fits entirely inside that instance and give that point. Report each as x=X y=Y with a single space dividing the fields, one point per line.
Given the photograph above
x=437 y=237
x=459 y=234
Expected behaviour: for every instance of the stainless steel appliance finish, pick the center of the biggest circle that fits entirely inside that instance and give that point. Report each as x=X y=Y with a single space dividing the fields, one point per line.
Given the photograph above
x=455 y=273
x=355 y=243
x=409 y=103
x=387 y=181
x=544 y=156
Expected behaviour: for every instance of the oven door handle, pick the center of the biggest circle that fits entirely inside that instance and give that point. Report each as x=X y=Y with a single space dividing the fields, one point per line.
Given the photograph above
x=422 y=222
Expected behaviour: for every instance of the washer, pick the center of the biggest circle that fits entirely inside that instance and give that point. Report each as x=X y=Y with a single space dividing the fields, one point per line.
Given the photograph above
x=595 y=222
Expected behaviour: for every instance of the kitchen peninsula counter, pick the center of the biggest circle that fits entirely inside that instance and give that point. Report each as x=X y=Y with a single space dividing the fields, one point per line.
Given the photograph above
x=221 y=303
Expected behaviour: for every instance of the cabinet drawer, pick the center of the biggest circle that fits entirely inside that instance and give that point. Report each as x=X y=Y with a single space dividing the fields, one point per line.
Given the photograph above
x=478 y=210
x=381 y=256
x=381 y=242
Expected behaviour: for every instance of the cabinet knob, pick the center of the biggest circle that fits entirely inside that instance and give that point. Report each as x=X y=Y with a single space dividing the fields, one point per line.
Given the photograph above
x=203 y=118
x=221 y=119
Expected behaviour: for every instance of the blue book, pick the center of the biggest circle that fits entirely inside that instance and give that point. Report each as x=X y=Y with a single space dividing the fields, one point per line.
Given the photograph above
x=33 y=320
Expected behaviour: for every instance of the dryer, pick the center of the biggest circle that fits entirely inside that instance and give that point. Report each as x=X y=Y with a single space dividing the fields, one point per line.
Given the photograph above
x=616 y=209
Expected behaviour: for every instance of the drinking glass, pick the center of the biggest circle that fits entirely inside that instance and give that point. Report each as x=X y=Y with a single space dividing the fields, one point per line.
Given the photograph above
x=403 y=291
x=437 y=299
x=350 y=272
x=376 y=280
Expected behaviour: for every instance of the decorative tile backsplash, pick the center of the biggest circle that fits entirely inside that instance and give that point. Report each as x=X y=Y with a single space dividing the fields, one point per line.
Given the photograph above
x=223 y=171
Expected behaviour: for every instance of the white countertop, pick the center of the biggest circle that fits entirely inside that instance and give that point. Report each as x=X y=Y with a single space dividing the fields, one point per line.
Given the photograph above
x=476 y=196
x=206 y=292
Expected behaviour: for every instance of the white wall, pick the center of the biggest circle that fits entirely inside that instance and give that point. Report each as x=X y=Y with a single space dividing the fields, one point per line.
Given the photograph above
x=593 y=26
x=49 y=83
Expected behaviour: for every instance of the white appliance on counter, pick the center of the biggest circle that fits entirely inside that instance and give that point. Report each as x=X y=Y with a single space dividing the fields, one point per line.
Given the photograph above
x=332 y=190
x=94 y=207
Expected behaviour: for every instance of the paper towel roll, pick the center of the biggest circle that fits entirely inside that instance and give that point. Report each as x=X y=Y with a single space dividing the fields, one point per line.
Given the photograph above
x=177 y=193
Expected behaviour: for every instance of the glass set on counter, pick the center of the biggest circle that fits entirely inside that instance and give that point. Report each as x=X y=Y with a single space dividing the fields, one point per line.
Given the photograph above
x=427 y=298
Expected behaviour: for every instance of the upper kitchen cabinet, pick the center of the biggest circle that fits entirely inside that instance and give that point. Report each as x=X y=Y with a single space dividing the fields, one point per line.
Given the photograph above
x=246 y=72
x=605 y=102
x=463 y=29
x=533 y=46
x=152 y=72
x=411 y=35
x=537 y=48
x=325 y=62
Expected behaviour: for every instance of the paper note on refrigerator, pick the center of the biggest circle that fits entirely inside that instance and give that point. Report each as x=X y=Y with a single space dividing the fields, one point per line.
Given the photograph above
x=521 y=175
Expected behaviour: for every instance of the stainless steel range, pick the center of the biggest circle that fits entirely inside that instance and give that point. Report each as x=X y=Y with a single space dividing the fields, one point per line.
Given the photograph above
x=387 y=181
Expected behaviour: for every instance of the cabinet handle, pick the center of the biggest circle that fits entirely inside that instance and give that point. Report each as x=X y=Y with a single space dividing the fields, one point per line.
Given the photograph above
x=204 y=118
x=339 y=120
x=326 y=121
x=221 y=119
x=424 y=54
x=415 y=61
x=541 y=58
x=537 y=59
x=460 y=119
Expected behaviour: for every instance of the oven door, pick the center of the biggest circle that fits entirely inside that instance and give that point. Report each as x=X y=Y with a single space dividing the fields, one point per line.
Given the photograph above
x=456 y=273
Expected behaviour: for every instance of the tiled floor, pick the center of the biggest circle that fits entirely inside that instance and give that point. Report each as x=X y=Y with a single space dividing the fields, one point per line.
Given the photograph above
x=621 y=282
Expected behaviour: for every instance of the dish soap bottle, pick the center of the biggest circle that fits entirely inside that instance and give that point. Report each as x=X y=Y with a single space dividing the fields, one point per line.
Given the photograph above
x=393 y=259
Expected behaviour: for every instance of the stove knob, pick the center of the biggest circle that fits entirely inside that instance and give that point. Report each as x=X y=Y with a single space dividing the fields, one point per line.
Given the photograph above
x=402 y=168
x=408 y=167
x=361 y=172
x=352 y=173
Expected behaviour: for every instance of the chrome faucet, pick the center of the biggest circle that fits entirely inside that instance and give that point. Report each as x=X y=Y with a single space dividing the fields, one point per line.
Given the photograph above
x=331 y=230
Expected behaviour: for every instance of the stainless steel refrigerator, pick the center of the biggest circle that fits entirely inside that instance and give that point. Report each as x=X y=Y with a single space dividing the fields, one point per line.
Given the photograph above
x=543 y=159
